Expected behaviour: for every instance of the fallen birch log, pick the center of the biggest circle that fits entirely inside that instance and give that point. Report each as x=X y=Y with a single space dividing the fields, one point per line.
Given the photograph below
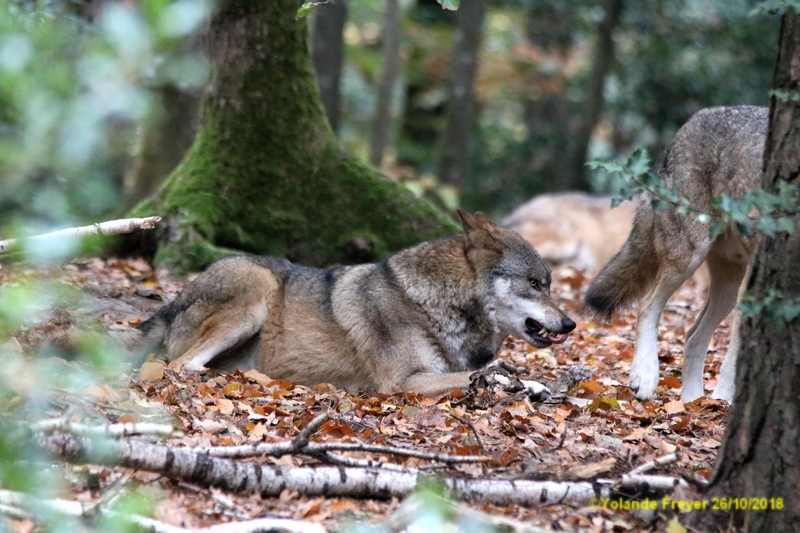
x=111 y=227
x=108 y=430
x=12 y=503
x=193 y=467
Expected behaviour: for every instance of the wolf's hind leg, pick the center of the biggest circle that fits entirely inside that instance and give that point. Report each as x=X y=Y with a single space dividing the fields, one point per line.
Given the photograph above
x=723 y=292
x=230 y=326
x=644 y=370
x=726 y=380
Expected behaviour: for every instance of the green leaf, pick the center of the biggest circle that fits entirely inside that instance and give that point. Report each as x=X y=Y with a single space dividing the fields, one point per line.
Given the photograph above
x=767 y=226
x=785 y=224
x=770 y=7
x=744 y=228
x=659 y=205
x=639 y=162
x=791 y=310
x=715 y=229
x=307 y=8
x=452 y=5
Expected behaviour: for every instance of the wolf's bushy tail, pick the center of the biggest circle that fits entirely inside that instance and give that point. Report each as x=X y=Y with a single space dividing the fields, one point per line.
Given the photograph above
x=630 y=273
x=148 y=337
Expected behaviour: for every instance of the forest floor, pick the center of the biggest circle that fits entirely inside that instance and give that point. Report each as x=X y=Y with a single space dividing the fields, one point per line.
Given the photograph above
x=602 y=433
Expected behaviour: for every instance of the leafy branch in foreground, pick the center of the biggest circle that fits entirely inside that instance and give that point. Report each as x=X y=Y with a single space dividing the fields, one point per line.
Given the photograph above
x=772 y=306
x=762 y=211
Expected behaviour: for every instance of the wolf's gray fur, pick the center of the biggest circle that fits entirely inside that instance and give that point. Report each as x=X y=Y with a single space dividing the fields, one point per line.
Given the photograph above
x=718 y=151
x=422 y=320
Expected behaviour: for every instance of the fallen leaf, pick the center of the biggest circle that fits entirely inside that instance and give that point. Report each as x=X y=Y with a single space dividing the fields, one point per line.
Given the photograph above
x=592 y=470
x=667 y=447
x=152 y=370
x=675 y=406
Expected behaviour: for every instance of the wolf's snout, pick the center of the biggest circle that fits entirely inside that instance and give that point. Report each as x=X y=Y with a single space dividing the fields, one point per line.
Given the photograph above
x=544 y=336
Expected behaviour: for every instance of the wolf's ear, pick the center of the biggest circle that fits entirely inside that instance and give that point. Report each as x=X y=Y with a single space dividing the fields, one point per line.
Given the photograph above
x=480 y=232
x=478 y=221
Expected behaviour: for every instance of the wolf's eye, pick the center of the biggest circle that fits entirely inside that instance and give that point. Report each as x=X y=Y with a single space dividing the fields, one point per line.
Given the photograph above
x=534 y=283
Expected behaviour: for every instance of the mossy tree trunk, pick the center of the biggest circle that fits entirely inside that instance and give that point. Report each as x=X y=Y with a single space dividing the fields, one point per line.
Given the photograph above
x=265 y=173
x=757 y=466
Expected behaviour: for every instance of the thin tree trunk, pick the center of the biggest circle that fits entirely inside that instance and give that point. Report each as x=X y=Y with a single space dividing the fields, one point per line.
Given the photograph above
x=327 y=50
x=757 y=467
x=391 y=70
x=164 y=141
x=576 y=177
x=548 y=31
x=266 y=174
x=455 y=158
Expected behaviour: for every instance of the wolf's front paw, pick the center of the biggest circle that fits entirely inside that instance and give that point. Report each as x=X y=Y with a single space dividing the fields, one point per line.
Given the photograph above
x=177 y=365
x=495 y=379
x=692 y=389
x=723 y=391
x=644 y=378
x=536 y=390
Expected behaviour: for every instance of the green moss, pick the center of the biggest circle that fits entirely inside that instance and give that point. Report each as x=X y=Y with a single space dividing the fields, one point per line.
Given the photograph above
x=191 y=256
x=265 y=174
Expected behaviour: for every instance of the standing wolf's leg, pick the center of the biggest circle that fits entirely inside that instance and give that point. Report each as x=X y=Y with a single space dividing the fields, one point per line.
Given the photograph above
x=644 y=370
x=726 y=380
x=723 y=292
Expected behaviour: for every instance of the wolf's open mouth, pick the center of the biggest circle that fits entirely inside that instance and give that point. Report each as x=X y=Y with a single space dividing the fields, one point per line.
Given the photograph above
x=540 y=333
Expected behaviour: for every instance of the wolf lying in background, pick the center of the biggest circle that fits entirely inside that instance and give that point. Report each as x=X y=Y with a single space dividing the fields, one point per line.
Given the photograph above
x=422 y=320
x=573 y=228
x=718 y=151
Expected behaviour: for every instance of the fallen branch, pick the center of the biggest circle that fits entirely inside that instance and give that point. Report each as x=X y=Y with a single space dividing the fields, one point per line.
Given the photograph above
x=659 y=483
x=108 y=430
x=661 y=461
x=12 y=504
x=301 y=444
x=111 y=227
x=466 y=421
x=269 y=481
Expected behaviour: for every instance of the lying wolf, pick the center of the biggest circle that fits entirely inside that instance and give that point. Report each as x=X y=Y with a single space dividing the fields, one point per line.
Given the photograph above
x=573 y=228
x=422 y=320
x=718 y=151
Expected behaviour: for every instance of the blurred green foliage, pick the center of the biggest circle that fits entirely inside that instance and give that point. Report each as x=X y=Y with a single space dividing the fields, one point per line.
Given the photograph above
x=672 y=58
x=72 y=93
x=73 y=90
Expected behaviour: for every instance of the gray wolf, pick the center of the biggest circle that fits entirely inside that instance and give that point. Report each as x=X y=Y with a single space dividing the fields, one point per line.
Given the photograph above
x=573 y=228
x=422 y=320
x=718 y=151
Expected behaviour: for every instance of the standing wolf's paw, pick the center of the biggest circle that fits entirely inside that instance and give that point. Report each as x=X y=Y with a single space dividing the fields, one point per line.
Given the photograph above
x=644 y=377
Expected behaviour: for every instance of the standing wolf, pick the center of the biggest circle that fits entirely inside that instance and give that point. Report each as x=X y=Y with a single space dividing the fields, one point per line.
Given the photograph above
x=422 y=320
x=718 y=151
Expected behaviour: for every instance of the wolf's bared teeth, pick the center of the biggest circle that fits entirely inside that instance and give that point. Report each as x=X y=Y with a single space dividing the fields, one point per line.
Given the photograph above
x=543 y=332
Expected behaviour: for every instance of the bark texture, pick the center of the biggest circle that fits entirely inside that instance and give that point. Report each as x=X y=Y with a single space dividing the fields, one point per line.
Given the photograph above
x=576 y=177
x=163 y=142
x=327 y=51
x=391 y=70
x=458 y=129
x=760 y=455
x=265 y=173
x=547 y=108
x=269 y=481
